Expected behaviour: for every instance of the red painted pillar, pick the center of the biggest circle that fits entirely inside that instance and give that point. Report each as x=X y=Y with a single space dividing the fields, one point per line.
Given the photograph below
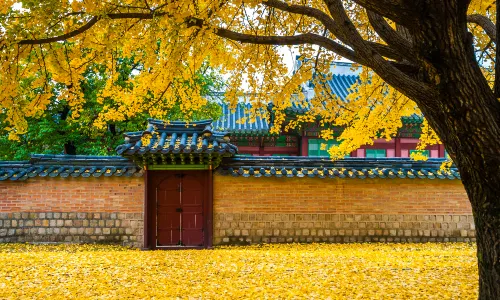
x=303 y=146
x=397 y=145
x=261 y=146
x=441 y=150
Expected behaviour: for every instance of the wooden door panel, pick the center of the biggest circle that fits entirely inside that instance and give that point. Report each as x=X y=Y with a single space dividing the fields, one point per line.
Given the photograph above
x=168 y=216
x=192 y=209
x=179 y=208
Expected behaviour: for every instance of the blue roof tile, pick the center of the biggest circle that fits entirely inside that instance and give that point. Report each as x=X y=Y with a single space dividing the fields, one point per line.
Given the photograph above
x=68 y=166
x=177 y=137
x=323 y=167
x=238 y=122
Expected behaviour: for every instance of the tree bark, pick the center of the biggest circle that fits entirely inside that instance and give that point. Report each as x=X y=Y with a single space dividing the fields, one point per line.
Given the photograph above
x=466 y=116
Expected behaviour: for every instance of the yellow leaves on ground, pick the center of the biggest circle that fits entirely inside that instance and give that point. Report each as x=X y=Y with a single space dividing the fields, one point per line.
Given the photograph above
x=292 y=271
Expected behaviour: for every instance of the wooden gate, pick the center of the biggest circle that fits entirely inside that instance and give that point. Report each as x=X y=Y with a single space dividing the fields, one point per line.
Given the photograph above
x=177 y=209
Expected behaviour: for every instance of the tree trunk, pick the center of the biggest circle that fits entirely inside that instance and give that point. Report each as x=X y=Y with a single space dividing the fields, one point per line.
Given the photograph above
x=466 y=116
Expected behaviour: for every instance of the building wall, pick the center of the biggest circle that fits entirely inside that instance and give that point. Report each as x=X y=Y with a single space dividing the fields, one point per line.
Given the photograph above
x=104 y=209
x=254 y=210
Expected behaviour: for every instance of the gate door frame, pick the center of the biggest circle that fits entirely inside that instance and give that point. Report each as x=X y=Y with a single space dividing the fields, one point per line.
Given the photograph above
x=151 y=179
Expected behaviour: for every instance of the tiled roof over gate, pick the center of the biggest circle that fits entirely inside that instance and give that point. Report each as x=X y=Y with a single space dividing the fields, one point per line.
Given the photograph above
x=177 y=143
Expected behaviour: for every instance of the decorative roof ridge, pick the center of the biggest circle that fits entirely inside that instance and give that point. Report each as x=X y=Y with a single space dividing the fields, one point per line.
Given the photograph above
x=68 y=165
x=347 y=168
x=350 y=161
x=177 y=142
x=70 y=159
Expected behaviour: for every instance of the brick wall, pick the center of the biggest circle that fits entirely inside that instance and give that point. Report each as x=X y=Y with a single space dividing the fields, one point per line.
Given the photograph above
x=104 y=209
x=253 y=210
x=246 y=210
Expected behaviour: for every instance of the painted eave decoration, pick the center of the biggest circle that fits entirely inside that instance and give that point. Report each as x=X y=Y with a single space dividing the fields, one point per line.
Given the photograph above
x=323 y=167
x=177 y=143
x=68 y=166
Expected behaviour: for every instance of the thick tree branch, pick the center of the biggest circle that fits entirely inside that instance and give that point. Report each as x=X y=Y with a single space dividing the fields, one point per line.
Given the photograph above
x=390 y=36
x=386 y=51
x=88 y=25
x=306 y=38
x=405 y=12
x=315 y=13
x=63 y=37
x=485 y=23
x=496 y=85
x=389 y=72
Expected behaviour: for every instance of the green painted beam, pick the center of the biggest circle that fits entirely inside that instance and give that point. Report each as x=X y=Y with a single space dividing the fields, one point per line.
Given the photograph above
x=178 y=167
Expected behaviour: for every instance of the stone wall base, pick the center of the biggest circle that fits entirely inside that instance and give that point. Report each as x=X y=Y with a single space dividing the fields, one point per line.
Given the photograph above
x=72 y=227
x=250 y=228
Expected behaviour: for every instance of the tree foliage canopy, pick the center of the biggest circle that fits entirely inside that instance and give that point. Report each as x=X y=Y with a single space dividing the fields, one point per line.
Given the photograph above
x=56 y=132
x=48 y=46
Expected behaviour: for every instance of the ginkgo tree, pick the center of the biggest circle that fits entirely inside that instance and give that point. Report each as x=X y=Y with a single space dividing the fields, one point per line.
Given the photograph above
x=430 y=57
x=56 y=132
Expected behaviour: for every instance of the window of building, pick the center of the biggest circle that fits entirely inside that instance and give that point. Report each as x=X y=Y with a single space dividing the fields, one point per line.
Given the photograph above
x=314 y=147
x=376 y=153
x=423 y=152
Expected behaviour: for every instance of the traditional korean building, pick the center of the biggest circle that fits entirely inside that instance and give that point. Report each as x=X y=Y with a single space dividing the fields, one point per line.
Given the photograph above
x=254 y=138
x=199 y=184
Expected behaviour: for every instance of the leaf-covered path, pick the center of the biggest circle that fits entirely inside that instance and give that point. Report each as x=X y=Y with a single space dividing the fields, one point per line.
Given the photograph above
x=335 y=271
